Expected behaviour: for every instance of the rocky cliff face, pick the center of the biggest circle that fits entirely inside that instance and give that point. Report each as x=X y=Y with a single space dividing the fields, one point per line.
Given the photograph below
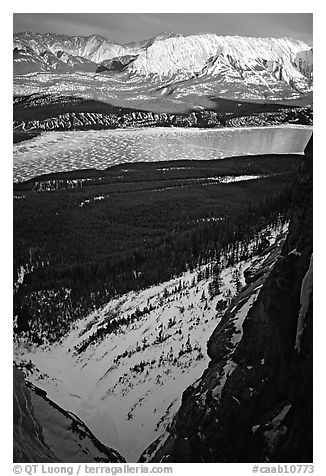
x=254 y=401
x=40 y=427
x=304 y=62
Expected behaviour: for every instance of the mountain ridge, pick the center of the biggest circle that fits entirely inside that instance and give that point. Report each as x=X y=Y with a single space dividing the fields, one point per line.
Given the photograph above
x=168 y=64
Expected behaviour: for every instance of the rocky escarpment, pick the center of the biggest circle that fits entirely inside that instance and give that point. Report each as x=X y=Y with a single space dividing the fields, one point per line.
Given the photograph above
x=254 y=401
x=97 y=120
x=41 y=427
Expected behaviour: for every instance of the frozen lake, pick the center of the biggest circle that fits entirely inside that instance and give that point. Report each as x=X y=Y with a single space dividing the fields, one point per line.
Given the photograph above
x=62 y=151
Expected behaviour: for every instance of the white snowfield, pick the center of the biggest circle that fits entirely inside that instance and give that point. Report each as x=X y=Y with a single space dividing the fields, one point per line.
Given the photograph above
x=127 y=385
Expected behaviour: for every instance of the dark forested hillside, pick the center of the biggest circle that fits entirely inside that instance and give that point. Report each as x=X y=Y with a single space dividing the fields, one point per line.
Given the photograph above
x=83 y=237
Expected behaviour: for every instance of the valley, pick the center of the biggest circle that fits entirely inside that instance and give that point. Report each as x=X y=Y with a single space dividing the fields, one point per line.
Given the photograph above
x=162 y=248
x=115 y=332
x=126 y=383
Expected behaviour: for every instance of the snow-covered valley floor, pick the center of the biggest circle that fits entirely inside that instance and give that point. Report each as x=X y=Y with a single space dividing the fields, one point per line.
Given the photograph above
x=123 y=368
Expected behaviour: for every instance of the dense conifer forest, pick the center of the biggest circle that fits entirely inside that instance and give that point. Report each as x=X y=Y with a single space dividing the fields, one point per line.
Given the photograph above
x=82 y=237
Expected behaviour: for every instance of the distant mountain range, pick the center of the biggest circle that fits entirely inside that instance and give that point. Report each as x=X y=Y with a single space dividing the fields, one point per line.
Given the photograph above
x=37 y=52
x=280 y=64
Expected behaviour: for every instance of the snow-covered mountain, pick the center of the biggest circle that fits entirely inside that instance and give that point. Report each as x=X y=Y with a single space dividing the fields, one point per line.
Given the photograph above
x=148 y=42
x=233 y=58
x=204 y=63
x=51 y=52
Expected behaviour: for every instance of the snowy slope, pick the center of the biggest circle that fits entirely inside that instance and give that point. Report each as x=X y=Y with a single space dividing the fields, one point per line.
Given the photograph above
x=123 y=368
x=40 y=427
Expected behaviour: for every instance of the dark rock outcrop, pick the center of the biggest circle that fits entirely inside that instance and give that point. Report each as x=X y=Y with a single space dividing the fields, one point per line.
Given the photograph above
x=203 y=119
x=36 y=113
x=254 y=403
x=45 y=433
x=115 y=64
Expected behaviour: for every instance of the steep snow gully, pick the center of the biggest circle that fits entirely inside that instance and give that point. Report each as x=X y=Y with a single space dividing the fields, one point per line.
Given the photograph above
x=127 y=385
